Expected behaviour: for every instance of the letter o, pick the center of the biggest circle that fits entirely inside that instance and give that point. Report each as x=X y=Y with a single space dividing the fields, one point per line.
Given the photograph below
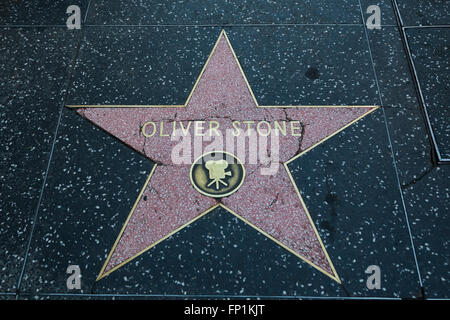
x=145 y=126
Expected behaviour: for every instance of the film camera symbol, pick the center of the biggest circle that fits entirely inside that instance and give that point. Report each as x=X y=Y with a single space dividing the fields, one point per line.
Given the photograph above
x=217 y=177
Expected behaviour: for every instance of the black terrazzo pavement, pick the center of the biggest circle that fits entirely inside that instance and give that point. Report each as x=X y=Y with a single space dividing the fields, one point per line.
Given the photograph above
x=145 y=65
x=424 y=13
x=361 y=195
x=430 y=50
x=428 y=205
x=412 y=148
x=282 y=70
x=425 y=186
x=223 y=12
x=42 y=12
x=34 y=64
x=351 y=192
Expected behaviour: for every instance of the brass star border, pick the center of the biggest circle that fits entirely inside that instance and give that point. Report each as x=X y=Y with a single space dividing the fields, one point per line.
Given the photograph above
x=333 y=276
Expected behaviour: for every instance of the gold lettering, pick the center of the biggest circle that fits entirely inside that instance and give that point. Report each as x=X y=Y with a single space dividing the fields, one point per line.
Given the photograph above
x=185 y=130
x=258 y=128
x=278 y=128
x=211 y=129
x=293 y=128
x=237 y=131
x=248 y=123
x=145 y=126
x=198 y=125
x=263 y=128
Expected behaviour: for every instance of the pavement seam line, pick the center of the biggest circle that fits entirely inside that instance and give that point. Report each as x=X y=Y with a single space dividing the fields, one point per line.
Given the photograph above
x=392 y=151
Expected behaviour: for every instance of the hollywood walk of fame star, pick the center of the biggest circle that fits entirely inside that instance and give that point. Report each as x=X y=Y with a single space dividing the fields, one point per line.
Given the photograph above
x=168 y=202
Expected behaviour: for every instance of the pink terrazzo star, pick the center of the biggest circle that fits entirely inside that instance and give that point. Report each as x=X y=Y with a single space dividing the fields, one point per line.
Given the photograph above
x=270 y=203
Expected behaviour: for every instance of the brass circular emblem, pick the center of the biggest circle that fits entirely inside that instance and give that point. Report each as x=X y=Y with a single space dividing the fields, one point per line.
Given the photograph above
x=217 y=174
